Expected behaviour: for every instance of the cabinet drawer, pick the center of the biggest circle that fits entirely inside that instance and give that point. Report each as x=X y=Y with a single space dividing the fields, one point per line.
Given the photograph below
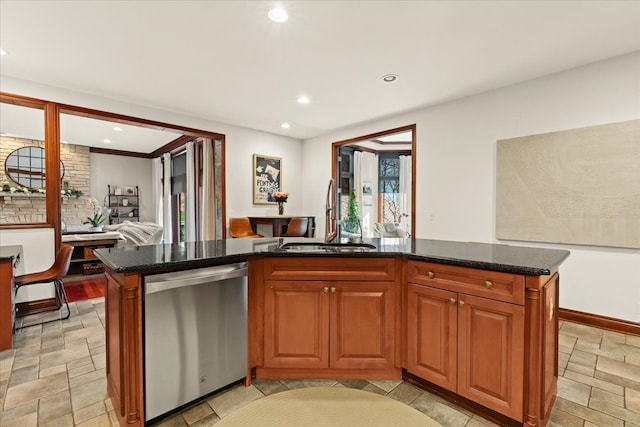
x=325 y=268
x=489 y=284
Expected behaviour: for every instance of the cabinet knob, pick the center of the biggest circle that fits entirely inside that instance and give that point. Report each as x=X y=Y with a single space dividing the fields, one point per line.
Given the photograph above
x=488 y=284
x=452 y=301
x=333 y=290
x=460 y=302
x=431 y=275
x=325 y=289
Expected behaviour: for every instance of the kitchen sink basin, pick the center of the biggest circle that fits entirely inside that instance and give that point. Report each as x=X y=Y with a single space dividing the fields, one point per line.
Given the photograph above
x=301 y=247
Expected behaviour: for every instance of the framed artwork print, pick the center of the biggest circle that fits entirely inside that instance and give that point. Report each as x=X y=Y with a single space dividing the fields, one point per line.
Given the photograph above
x=267 y=178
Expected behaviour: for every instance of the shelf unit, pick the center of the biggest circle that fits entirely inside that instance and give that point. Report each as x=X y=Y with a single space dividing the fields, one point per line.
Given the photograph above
x=124 y=207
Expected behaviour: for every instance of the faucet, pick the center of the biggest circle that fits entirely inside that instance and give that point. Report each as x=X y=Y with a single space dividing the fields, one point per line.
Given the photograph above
x=330 y=231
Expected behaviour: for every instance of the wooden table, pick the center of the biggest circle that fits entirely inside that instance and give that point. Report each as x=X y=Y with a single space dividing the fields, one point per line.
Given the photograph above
x=279 y=224
x=83 y=261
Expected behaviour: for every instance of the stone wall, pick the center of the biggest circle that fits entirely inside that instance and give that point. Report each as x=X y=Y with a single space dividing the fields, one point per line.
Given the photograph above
x=29 y=208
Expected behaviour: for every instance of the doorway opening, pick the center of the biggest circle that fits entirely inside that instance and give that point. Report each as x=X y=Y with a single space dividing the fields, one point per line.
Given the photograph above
x=375 y=184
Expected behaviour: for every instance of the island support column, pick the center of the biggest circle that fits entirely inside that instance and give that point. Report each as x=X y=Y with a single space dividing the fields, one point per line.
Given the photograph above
x=123 y=329
x=541 y=347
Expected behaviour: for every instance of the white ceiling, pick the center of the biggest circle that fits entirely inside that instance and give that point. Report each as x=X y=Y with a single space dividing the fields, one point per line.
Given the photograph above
x=225 y=61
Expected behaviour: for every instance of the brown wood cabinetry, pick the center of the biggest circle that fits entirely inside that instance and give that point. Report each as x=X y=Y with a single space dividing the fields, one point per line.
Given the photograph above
x=329 y=322
x=7 y=300
x=483 y=339
x=123 y=312
x=479 y=347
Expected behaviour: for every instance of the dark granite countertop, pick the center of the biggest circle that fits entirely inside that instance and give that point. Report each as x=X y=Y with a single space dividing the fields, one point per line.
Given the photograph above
x=182 y=256
x=10 y=252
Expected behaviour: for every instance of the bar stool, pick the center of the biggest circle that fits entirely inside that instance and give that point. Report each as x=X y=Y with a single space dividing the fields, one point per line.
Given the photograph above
x=241 y=227
x=54 y=274
x=297 y=227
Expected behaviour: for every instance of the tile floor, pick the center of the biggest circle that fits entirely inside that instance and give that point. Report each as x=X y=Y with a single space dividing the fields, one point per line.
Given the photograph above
x=55 y=376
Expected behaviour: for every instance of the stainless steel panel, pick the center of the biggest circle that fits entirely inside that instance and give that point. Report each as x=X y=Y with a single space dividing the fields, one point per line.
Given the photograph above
x=195 y=336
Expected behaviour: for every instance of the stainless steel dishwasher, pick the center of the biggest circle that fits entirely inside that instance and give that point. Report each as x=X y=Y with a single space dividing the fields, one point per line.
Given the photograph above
x=195 y=334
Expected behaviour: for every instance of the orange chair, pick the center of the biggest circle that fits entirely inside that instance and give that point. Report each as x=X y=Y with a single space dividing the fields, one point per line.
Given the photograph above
x=241 y=227
x=297 y=227
x=54 y=274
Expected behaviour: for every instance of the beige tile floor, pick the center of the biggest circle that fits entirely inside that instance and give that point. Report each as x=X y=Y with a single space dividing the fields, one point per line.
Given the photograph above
x=55 y=376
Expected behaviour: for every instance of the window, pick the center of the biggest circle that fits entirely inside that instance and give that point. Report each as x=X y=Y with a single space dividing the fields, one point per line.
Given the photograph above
x=389 y=187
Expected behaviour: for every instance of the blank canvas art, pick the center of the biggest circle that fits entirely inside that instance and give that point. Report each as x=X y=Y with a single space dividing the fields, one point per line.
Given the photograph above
x=579 y=186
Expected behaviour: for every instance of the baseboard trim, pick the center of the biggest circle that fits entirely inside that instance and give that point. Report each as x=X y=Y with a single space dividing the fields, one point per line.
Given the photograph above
x=598 y=321
x=36 y=306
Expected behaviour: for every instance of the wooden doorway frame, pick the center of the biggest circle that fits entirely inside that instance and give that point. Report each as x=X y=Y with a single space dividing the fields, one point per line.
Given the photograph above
x=335 y=169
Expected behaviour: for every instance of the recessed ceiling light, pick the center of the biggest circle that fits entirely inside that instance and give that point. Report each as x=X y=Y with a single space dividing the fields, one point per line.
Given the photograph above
x=106 y=141
x=285 y=126
x=117 y=129
x=303 y=99
x=3 y=52
x=278 y=14
x=389 y=78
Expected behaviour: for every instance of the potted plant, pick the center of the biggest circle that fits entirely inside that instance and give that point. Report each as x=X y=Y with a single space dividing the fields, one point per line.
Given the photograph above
x=97 y=219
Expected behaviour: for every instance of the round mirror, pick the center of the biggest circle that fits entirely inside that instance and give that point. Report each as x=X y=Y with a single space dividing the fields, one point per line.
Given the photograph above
x=26 y=167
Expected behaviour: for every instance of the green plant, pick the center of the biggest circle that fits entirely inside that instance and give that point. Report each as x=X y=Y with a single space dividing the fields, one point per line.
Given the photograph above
x=95 y=220
x=351 y=221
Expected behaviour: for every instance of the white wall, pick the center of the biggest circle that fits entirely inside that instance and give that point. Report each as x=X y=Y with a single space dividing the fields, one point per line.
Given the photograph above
x=122 y=171
x=455 y=173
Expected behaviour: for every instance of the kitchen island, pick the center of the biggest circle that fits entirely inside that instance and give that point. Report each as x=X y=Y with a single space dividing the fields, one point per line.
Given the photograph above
x=476 y=323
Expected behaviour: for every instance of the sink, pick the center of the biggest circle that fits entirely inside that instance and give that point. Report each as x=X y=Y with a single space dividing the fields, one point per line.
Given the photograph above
x=301 y=247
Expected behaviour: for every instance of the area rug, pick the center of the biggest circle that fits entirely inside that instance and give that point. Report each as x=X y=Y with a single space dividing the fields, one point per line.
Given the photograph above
x=84 y=289
x=327 y=407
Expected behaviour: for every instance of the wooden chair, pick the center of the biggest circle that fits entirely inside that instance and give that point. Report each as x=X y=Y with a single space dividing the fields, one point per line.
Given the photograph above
x=297 y=227
x=241 y=227
x=54 y=274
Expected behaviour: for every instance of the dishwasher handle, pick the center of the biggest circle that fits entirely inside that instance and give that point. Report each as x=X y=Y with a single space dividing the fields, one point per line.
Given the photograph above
x=179 y=279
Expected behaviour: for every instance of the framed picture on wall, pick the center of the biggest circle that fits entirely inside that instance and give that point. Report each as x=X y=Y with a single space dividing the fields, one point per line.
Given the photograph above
x=267 y=178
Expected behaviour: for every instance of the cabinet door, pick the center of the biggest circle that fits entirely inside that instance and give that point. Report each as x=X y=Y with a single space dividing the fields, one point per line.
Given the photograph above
x=362 y=325
x=432 y=335
x=491 y=354
x=296 y=325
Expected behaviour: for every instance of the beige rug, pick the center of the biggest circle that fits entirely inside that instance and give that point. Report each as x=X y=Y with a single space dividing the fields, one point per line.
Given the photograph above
x=327 y=407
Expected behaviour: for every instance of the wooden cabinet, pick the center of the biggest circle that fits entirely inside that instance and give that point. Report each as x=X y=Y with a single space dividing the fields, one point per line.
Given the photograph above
x=8 y=269
x=329 y=325
x=331 y=321
x=469 y=345
x=125 y=206
x=466 y=333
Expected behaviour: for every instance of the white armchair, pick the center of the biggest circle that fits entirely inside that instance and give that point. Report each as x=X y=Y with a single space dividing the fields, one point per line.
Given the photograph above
x=389 y=229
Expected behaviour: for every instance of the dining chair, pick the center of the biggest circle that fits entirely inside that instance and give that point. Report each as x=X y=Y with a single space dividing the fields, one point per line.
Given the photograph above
x=241 y=227
x=297 y=227
x=54 y=274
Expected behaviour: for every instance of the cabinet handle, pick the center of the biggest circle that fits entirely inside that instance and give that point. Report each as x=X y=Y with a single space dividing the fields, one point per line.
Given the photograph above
x=452 y=301
x=488 y=284
x=460 y=302
x=325 y=289
x=431 y=275
x=333 y=290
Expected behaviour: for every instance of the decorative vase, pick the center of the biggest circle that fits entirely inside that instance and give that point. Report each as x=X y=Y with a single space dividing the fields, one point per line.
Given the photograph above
x=280 y=208
x=97 y=229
